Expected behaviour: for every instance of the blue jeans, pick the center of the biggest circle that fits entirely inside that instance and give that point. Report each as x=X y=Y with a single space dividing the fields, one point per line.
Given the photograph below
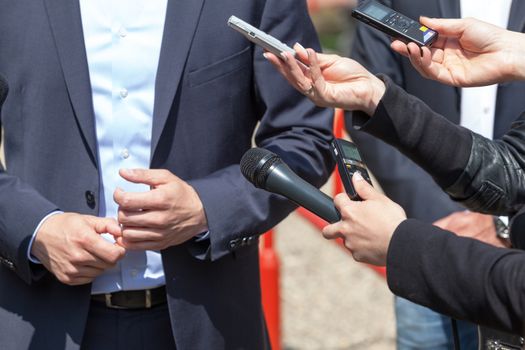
x=421 y=328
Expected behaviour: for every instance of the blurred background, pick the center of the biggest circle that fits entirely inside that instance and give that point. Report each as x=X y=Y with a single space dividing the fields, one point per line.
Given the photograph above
x=329 y=301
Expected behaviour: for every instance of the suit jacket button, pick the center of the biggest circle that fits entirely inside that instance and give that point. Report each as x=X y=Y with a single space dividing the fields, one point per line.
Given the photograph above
x=90 y=199
x=234 y=243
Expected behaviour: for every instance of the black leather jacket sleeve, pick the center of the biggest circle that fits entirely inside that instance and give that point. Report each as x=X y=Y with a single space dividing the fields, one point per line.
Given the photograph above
x=484 y=175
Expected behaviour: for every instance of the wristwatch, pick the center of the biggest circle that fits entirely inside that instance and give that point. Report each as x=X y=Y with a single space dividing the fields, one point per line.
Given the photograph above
x=502 y=229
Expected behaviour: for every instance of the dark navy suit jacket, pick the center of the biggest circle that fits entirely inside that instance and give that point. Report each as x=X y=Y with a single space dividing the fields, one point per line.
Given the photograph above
x=401 y=179
x=213 y=88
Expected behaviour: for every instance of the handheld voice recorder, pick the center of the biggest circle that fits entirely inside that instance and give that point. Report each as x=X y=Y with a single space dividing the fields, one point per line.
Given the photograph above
x=394 y=23
x=349 y=161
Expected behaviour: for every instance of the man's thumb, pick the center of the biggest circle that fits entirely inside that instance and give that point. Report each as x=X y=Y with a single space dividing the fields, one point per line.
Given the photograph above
x=362 y=187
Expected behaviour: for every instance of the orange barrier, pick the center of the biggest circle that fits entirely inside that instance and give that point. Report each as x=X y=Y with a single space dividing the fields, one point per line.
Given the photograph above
x=270 y=289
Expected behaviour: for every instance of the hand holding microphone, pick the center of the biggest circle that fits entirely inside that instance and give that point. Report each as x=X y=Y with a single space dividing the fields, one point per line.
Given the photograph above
x=365 y=226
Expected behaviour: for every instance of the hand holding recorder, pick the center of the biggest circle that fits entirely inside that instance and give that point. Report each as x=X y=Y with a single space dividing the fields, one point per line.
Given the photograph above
x=469 y=52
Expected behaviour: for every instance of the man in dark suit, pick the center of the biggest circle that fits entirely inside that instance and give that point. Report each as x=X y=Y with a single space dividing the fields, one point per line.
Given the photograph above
x=406 y=183
x=70 y=125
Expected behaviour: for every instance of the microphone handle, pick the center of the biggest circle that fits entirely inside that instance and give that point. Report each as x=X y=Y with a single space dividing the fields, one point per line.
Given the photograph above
x=285 y=182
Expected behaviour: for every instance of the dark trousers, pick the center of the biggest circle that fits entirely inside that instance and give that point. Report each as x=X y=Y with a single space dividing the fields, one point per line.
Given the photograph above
x=114 y=329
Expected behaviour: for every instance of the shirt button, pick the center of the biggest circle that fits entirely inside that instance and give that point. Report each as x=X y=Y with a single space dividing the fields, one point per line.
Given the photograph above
x=124 y=93
x=122 y=32
x=486 y=110
x=133 y=273
x=125 y=153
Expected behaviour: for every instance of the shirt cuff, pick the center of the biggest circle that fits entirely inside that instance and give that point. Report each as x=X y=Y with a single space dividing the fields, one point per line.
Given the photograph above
x=29 y=255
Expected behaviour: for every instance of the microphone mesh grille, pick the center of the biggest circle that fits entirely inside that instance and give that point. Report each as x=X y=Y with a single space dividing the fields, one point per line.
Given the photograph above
x=255 y=164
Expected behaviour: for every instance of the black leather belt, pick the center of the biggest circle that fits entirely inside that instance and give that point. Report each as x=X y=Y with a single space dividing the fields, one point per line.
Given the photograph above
x=132 y=299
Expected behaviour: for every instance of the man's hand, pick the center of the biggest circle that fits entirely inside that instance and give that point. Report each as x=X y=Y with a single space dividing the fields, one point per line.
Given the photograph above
x=366 y=226
x=169 y=214
x=473 y=225
x=72 y=248
x=468 y=52
x=330 y=80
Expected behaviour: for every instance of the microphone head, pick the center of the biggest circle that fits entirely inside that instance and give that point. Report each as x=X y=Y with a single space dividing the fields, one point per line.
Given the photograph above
x=256 y=163
x=3 y=89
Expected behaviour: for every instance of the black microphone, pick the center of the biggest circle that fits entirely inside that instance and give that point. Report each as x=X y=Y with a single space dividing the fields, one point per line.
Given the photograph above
x=267 y=170
x=3 y=90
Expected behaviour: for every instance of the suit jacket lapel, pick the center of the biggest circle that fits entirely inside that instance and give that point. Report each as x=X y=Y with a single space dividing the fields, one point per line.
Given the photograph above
x=517 y=16
x=66 y=25
x=181 y=21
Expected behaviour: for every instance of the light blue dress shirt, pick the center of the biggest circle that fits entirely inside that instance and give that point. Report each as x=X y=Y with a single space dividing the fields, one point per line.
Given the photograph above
x=123 y=40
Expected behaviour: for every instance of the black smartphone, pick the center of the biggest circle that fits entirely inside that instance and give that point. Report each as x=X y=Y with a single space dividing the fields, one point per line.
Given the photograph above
x=349 y=161
x=394 y=23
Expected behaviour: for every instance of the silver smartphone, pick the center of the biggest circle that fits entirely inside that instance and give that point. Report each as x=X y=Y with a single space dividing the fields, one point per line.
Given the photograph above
x=259 y=37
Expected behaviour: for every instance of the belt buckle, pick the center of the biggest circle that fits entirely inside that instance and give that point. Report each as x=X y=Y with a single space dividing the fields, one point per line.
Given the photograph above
x=110 y=304
x=147 y=301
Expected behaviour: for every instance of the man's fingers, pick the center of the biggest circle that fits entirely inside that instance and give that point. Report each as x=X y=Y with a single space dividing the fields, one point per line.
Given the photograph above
x=104 y=250
x=105 y=225
x=138 y=234
x=152 y=177
x=83 y=258
x=141 y=245
x=153 y=219
x=136 y=201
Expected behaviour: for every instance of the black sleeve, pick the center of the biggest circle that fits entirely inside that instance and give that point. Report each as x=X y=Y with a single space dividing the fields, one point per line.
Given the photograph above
x=437 y=145
x=484 y=175
x=460 y=277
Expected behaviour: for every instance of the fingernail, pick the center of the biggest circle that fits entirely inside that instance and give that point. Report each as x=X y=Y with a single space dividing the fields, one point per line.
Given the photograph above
x=127 y=171
x=265 y=54
x=302 y=48
x=358 y=176
x=283 y=56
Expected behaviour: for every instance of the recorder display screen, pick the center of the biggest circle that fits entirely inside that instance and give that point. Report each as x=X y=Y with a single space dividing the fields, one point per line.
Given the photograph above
x=376 y=12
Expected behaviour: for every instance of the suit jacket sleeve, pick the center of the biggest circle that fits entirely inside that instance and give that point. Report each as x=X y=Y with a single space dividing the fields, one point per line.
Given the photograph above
x=290 y=125
x=18 y=220
x=457 y=276
x=401 y=179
